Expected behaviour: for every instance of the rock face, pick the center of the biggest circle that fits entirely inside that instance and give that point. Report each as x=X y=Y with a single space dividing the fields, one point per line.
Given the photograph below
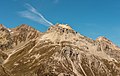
x=60 y=51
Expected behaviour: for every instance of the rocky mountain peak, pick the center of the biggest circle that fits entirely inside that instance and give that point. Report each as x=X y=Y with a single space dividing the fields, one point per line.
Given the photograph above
x=1 y=25
x=102 y=38
x=62 y=28
x=66 y=26
x=23 y=27
x=104 y=41
x=59 y=33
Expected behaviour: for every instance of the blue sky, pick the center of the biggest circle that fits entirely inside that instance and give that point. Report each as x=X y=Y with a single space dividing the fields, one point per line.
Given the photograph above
x=92 y=18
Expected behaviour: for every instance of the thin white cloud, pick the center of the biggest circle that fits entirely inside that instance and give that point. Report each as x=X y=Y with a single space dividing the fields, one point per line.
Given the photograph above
x=33 y=14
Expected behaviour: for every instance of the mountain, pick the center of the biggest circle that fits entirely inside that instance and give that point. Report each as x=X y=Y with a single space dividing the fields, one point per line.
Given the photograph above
x=60 y=51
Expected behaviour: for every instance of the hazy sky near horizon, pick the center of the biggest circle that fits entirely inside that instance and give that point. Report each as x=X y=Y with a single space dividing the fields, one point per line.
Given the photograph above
x=92 y=18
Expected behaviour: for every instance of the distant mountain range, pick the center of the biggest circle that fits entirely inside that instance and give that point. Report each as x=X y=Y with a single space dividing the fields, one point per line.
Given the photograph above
x=60 y=51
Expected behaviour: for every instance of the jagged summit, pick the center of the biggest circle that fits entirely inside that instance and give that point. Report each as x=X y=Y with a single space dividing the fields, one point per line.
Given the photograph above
x=60 y=32
x=101 y=38
x=66 y=26
x=104 y=40
x=23 y=26
x=62 y=28
x=1 y=25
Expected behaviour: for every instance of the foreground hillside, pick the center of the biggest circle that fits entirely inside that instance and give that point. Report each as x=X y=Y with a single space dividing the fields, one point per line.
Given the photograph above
x=60 y=51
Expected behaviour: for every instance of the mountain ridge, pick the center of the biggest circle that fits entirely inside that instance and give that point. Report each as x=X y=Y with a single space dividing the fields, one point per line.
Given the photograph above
x=60 y=51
